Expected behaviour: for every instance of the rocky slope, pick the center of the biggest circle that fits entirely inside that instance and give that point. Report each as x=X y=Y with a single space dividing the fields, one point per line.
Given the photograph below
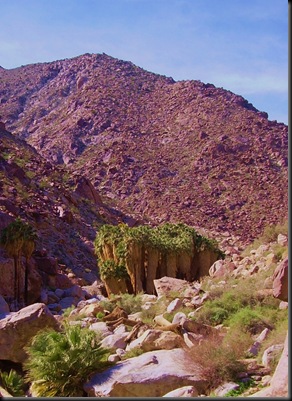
x=162 y=150
x=165 y=330
x=65 y=211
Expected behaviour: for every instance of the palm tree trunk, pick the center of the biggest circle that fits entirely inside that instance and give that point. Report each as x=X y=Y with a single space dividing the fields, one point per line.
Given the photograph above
x=15 y=277
x=26 y=282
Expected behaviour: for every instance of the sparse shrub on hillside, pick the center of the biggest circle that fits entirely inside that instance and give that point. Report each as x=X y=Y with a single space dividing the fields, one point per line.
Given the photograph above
x=249 y=320
x=242 y=306
x=277 y=336
x=157 y=308
x=132 y=353
x=270 y=234
x=219 y=358
x=67 y=311
x=129 y=302
x=59 y=363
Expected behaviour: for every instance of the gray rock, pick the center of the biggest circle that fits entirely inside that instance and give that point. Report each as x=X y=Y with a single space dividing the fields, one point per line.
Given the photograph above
x=152 y=374
x=17 y=329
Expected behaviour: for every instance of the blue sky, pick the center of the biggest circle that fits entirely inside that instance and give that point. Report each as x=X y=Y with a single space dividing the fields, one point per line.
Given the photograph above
x=240 y=45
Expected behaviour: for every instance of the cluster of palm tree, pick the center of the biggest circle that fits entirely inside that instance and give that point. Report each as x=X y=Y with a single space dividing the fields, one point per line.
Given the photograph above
x=19 y=239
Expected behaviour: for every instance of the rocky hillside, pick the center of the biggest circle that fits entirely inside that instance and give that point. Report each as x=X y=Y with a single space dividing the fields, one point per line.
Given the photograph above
x=162 y=150
x=226 y=333
x=65 y=211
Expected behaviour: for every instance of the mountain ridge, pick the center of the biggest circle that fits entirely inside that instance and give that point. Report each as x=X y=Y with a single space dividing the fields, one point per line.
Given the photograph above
x=161 y=150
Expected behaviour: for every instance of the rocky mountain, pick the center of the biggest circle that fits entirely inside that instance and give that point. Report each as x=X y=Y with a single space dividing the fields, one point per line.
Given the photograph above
x=65 y=211
x=161 y=150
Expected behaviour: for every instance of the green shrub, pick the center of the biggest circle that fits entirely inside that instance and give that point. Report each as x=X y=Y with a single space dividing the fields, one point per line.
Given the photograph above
x=219 y=358
x=132 y=353
x=59 y=363
x=270 y=234
x=250 y=320
x=13 y=383
x=68 y=310
x=157 y=308
x=276 y=336
x=243 y=386
x=109 y=268
x=129 y=302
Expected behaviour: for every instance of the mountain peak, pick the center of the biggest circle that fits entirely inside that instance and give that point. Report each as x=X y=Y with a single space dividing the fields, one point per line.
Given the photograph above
x=161 y=150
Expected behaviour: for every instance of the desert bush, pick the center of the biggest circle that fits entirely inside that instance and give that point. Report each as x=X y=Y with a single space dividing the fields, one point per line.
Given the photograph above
x=219 y=358
x=59 y=363
x=67 y=311
x=250 y=320
x=243 y=386
x=13 y=383
x=129 y=302
x=157 y=308
x=170 y=315
x=132 y=353
x=270 y=234
x=276 y=336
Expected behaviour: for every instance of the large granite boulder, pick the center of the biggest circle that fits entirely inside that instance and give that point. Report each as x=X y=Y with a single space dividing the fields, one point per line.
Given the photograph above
x=18 y=328
x=152 y=374
x=165 y=285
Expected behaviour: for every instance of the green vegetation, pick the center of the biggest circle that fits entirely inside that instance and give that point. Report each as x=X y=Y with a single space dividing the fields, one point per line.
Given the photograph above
x=240 y=305
x=13 y=383
x=59 y=363
x=18 y=238
x=220 y=357
x=132 y=353
x=109 y=268
x=270 y=234
x=126 y=253
x=243 y=386
x=129 y=302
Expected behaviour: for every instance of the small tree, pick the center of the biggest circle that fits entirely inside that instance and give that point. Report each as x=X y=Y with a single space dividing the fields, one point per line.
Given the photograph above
x=59 y=363
x=19 y=238
x=28 y=246
x=11 y=239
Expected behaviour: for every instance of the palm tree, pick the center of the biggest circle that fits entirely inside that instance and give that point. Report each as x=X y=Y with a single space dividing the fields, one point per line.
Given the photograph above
x=28 y=246
x=59 y=363
x=11 y=239
x=19 y=238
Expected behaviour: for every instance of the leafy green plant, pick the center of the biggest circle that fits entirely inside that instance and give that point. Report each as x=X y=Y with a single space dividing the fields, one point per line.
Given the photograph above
x=59 y=363
x=132 y=353
x=100 y=315
x=114 y=247
x=19 y=238
x=13 y=383
x=157 y=308
x=130 y=303
x=67 y=311
x=250 y=320
x=109 y=268
x=243 y=386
